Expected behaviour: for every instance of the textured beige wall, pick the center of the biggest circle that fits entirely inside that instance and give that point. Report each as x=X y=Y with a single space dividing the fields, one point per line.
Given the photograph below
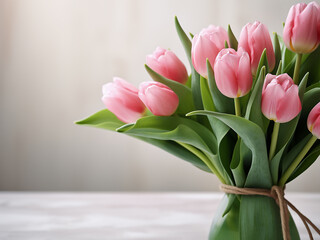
x=54 y=57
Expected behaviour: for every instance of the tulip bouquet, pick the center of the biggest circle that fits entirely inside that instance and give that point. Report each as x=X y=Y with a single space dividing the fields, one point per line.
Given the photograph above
x=249 y=113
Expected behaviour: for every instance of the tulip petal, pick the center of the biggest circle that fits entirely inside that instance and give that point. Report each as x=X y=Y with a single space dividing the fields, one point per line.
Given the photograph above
x=313 y=121
x=316 y=128
x=254 y=38
x=230 y=58
x=175 y=68
x=161 y=102
x=116 y=106
x=206 y=45
x=121 y=83
x=289 y=106
x=313 y=115
x=203 y=49
x=268 y=79
x=158 y=98
x=287 y=30
x=153 y=63
x=301 y=33
x=304 y=38
x=218 y=36
x=244 y=74
x=167 y=64
x=121 y=98
x=226 y=79
x=271 y=95
x=243 y=40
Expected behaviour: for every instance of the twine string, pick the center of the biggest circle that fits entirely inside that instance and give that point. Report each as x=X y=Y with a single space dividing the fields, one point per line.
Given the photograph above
x=277 y=193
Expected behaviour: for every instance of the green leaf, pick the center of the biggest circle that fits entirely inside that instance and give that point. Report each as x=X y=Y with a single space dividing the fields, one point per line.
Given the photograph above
x=288 y=58
x=226 y=226
x=293 y=153
x=188 y=83
x=277 y=51
x=312 y=65
x=252 y=135
x=263 y=62
x=311 y=98
x=107 y=120
x=174 y=128
x=184 y=93
x=178 y=151
x=195 y=80
x=262 y=211
x=288 y=61
x=207 y=102
x=102 y=119
x=232 y=39
x=274 y=166
x=184 y=39
x=246 y=157
x=278 y=72
x=195 y=87
x=237 y=165
x=180 y=130
x=206 y=96
x=221 y=102
x=306 y=163
x=226 y=44
x=225 y=146
x=231 y=202
x=315 y=85
x=253 y=112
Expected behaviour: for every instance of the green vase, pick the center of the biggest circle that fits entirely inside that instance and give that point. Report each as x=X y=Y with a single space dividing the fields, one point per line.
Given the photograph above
x=250 y=218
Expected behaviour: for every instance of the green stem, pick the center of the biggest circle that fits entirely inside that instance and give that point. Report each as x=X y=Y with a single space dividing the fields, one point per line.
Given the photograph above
x=204 y=158
x=296 y=162
x=237 y=107
x=297 y=68
x=274 y=140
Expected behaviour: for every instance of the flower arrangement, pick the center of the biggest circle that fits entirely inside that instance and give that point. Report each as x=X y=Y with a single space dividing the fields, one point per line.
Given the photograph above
x=249 y=113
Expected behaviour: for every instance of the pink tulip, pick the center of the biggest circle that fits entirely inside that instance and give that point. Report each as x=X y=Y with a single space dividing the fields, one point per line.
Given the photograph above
x=254 y=38
x=158 y=98
x=121 y=98
x=301 y=33
x=232 y=72
x=167 y=64
x=207 y=44
x=313 y=121
x=280 y=100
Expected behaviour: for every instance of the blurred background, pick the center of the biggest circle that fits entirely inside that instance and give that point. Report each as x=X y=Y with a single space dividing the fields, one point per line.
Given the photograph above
x=54 y=57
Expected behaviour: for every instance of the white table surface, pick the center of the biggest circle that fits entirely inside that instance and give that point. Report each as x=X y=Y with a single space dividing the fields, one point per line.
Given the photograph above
x=69 y=216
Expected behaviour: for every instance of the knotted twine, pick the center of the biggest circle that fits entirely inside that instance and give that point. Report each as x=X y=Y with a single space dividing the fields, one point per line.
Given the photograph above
x=277 y=193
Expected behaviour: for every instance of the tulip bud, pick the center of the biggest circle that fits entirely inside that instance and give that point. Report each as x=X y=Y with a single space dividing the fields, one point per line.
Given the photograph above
x=280 y=100
x=121 y=98
x=313 y=121
x=206 y=45
x=254 y=38
x=232 y=72
x=167 y=64
x=158 y=98
x=301 y=33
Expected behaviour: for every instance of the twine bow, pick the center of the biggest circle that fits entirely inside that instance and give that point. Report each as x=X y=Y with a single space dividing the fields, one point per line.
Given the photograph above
x=277 y=193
